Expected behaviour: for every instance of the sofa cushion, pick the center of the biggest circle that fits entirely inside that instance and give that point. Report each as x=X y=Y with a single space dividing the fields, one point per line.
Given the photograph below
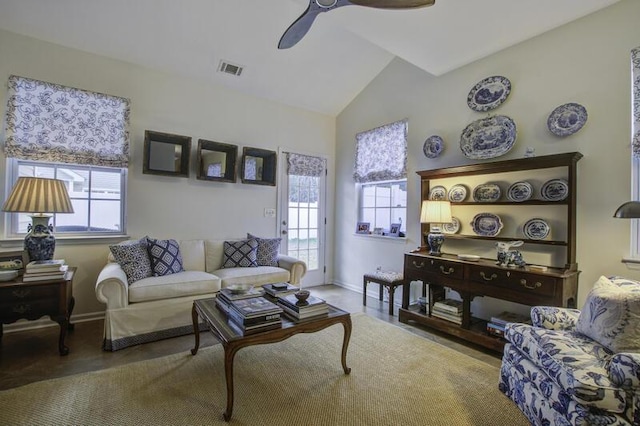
x=133 y=258
x=192 y=252
x=257 y=276
x=213 y=254
x=268 y=250
x=240 y=253
x=186 y=283
x=165 y=257
x=611 y=314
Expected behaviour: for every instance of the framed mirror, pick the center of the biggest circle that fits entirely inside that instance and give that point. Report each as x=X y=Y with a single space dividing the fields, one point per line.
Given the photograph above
x=258 y=166
x=166 y=154
x=217 y=161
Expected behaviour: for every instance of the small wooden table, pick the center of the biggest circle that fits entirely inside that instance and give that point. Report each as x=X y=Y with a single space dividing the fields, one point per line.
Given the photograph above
x=389 y=279
x=33 y=300
x=232 y=342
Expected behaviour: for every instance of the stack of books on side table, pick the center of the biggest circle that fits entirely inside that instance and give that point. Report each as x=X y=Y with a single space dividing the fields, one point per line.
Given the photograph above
x=312 y=308
x=496 y=325
x=249 y=313
x=279 y=289
x=448 y=309
x=44 y=270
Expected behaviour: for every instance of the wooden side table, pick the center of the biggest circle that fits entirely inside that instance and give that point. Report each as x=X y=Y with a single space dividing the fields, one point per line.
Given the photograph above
x=33 y=300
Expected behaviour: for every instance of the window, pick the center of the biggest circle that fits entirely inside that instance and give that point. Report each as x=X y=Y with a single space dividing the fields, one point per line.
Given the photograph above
x=97 y=195
x=384 y=203
x=635 y=145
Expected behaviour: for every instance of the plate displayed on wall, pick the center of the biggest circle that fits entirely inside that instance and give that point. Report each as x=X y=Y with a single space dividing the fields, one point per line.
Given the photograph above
x=489 y=93
x=488 y=137
x=487 y=193
x=438 y=193
x=555 y=190
x=536 y=229
x=433 y=146
x=486 y=224
x=458 y=193
x=567 y=119
x=520 y=191
x=453 y=227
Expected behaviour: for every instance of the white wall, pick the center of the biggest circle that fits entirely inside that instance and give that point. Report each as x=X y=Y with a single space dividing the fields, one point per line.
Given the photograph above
x=586 y=61
x=159 y=206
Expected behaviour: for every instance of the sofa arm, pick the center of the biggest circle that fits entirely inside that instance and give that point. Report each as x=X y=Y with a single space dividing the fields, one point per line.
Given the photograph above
x=624 y=370
x=112 y=286
x=553 y=318
x=297 y=268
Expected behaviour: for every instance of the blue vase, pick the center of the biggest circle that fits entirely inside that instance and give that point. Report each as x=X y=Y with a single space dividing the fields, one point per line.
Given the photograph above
x=435 y=240
x=40 y=242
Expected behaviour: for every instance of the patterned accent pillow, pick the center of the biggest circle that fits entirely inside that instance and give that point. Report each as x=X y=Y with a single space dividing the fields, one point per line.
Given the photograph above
x=611 y=314
x=133 y=258
x=240 y=253
x=268 y=249
x=165 y=257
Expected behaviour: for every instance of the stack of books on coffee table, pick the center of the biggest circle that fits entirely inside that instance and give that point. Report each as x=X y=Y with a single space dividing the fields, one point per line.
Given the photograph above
x=448 y=309
x=312 y=308
x=249 y=313
x=45 y=270
x=497 y=323
x=279 y=289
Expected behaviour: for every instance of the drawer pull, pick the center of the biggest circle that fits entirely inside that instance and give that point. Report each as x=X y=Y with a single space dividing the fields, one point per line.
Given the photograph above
x=524 y=284
x=21 y=309
x=447 y=272
x=421 y=265
x=21 y=293
x=484 y=277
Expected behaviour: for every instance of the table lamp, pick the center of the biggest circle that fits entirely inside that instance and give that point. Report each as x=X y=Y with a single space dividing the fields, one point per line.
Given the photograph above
x=435 y=213
x=39 y=196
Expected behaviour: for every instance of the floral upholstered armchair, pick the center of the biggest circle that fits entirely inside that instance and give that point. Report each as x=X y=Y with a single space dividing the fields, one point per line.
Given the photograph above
x=578 y=367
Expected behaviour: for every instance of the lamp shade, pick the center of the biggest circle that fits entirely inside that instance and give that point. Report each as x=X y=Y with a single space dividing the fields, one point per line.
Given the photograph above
x=435 y=212
x=629 y=210
x=38 y=195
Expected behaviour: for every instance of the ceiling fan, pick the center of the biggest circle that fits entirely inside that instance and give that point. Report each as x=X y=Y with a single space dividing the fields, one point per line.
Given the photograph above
x=301 y=26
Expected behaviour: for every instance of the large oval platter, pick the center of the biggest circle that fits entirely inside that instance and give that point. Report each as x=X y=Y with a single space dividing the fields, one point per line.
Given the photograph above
x=487 y=193
x=567 y=119
x=489 y=93
x=488 y=137
x=486 y=224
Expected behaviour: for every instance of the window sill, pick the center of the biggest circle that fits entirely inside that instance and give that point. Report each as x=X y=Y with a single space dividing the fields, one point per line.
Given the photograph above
x=68 y=240
x=631 y=262
x=402 y=240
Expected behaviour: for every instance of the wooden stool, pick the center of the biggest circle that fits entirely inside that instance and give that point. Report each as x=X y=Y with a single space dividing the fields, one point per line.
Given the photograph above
x=388 y=279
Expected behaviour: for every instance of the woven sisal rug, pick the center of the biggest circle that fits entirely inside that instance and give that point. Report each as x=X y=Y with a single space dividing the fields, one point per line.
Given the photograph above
x=397 y=378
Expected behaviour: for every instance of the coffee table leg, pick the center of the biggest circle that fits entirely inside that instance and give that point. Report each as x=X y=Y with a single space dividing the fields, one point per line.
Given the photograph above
x=345 y=343
x=229 y=355
x=196 y=329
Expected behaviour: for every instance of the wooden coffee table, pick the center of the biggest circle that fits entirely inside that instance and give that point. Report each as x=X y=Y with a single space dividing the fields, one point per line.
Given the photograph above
x=232 y=342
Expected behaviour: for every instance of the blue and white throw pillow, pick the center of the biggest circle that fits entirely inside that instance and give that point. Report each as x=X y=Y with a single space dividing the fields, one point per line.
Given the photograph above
x=240 y=253
x=165 y=257
x=133 y=258
x=268 y=250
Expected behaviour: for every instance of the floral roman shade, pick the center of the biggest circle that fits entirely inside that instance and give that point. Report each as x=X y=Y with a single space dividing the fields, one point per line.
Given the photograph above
x=381 y=153
x=54 y=123
x=635 y=98
x=305 y=165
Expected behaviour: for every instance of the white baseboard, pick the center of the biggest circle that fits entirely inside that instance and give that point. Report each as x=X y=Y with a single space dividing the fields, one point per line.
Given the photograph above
x=46 y=322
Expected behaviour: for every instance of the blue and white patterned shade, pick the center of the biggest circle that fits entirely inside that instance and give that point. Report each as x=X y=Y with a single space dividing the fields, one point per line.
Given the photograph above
x=635 y=119
x=381 y=153
x=305 y=165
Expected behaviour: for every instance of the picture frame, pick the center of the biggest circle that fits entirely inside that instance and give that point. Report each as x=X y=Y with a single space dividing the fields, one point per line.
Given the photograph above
x=17 y=258
x=394 y=230
x=378 y=231
x=363 y=227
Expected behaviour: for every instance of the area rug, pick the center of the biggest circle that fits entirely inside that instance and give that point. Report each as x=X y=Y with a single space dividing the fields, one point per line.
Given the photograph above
x=397 y=378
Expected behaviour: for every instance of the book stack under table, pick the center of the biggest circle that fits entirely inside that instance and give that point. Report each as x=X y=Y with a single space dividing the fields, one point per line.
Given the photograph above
x=448 y=309
x=497 y=323
x=312 y=308
x=45 y=270
x=249 y=312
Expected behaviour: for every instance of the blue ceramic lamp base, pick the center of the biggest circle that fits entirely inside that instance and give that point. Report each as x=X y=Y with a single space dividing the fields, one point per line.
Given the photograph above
x=40 y=242
x=434 y=241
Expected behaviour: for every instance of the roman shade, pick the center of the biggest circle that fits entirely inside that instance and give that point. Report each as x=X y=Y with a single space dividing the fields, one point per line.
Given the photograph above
x=305 y=165
x=635 y=99
x=381 y=153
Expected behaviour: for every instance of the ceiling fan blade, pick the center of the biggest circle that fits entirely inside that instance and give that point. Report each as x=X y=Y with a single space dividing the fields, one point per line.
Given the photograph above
x=301 y=26
x=394 y=4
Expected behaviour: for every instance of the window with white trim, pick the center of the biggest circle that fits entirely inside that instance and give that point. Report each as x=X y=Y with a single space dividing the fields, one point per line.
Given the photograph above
x=384 y=203
x=635 y=148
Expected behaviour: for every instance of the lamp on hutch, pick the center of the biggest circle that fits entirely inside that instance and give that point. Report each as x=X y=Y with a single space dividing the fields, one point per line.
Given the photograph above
x=435 y=213
x=39 y=196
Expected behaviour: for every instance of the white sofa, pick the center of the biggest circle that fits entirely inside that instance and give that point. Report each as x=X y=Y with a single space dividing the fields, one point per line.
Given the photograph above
x=159 y=307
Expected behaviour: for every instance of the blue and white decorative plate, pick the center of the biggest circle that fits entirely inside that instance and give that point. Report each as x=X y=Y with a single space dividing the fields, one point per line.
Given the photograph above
x=567 y=119
x=489 y=93
x=536 y=229
x=555 y=190
x=438 y=193
x=487 y=193
x=433 y=146
x=458 y=193
x=488 y=137
x=520 y=191
x=486 y=224
x=453 y=227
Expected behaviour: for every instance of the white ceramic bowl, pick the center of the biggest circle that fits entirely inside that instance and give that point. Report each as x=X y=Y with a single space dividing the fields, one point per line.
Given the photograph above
x=8 y=275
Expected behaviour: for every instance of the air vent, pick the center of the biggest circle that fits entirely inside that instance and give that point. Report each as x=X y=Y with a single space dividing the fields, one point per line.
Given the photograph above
x=229 y=68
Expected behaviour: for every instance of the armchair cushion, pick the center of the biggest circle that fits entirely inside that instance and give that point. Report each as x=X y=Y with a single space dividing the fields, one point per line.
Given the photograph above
x=611 y=315
x=165 y=257
x=553 y=318
x=133 y=258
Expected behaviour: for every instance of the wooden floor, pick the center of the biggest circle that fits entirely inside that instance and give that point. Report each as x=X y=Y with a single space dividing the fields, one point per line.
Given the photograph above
x=32 y=355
